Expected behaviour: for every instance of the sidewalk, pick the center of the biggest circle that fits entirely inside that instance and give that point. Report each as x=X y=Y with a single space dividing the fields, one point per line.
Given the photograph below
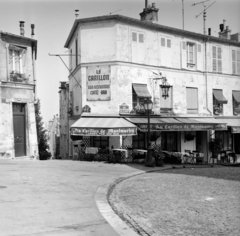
x=58 y=197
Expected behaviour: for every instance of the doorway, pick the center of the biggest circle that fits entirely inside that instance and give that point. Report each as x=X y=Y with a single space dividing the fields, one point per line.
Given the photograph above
x=19 y=129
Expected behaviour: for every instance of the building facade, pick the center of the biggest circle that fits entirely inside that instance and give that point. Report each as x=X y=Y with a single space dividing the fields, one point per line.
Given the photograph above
x=116 y=62
x=18 y=136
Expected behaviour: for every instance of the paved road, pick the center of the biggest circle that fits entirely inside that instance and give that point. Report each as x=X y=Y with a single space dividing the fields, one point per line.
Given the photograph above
x=57 y=197
x=188 y=201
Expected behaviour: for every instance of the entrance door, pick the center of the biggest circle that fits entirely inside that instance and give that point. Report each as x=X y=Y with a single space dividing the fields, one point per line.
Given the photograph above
x=19 y=129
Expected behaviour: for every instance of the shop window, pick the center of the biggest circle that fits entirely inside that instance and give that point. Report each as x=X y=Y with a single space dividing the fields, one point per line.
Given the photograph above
x=169 y=141
x=138 y=46
x=17 y=59
x=236 y=62
x=226 y=139
x=216 y=59
x=138 y=141
x=100 y=141
x=236 y=102
x=192 y=100
x=218 y=101
x=139 y=94
x=166 y=104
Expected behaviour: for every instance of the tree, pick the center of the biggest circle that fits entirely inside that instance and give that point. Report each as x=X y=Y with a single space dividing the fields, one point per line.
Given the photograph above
x=43 y=147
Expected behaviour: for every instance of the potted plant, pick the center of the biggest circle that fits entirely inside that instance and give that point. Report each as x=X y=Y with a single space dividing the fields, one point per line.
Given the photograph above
x=215 y=146
x=159 y=156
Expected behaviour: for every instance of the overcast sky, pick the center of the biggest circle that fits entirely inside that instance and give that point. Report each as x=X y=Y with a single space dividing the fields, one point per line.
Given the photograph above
x=53 y=20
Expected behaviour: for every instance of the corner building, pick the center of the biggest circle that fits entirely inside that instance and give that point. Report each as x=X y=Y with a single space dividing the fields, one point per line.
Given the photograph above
x=116 y=62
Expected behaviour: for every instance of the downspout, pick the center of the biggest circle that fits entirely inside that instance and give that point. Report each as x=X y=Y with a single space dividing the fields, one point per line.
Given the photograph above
x=34 y=67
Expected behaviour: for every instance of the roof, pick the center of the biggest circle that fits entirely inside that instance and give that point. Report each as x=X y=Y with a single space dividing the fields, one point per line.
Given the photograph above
x=147 y=25
x=19 y=40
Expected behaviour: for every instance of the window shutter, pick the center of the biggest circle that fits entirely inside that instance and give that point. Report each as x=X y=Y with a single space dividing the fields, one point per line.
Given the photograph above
x=199 y=48
x=219 y=59
x=238 y=62
x=169 y=43
x=141 y=38
x=234 y=62
x=184 y=55
x=163 y=42
x=134 y=36
x=214 y=59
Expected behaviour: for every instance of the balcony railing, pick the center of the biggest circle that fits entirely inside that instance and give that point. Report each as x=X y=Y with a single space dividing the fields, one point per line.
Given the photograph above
x=18 y=77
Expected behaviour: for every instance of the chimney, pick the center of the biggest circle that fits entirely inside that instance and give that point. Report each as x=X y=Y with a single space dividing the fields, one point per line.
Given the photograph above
x=32 y=27
x=22 y=28
x=225 y=31
x=150 y=13
x=209 y=31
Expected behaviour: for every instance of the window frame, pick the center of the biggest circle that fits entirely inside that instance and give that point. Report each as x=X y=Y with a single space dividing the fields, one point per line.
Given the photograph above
x=101 y=140
x=217 y=106
x=192 y=63
x=22 y=52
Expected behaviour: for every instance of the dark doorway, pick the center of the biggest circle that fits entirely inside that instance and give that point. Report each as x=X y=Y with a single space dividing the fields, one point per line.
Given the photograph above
x=19 y=128
x=237 y=143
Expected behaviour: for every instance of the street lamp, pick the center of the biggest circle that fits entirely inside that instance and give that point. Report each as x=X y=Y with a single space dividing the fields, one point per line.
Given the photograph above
x=165 y=86
x=148 y=107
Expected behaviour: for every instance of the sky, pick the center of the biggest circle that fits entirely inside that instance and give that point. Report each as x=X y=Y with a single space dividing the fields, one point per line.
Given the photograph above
x=54 y=19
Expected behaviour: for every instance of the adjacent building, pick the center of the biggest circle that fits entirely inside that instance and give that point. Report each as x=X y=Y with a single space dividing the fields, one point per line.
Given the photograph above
x=18 y=136
x=117 y=62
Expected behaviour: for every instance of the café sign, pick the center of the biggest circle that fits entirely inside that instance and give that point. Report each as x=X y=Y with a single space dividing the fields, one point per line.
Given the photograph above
x=104 y=132
x=124 y=108
x=98 y=83
x=182 y=127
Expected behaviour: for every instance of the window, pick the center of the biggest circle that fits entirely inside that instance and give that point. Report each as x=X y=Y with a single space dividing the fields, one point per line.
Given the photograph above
x=163 y=42
x=166 y=104
x=100 y=141
x=169 y=141
x=169 y=43
x=216 y=59
x=138 y=141
x=139 y=94
x=191 y=60
x=236 y=102
x=138 y=47
x=192 y=100
x=17 y=58
x=218 y=101
x=236 y=62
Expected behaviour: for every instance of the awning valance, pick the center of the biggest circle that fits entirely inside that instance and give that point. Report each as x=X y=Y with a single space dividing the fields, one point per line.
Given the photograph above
x=178 y=124
x=102 y=126
x=233 y=123
x=236 y=95
x=218 y=95
x=141 y=90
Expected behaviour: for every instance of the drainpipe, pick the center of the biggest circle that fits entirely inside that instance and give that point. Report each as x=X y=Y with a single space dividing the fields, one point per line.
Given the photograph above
x=34 y=67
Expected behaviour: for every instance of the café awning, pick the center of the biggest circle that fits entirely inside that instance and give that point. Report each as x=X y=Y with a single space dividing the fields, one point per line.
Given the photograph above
x=141 y=90
x=218 y=95
x=234 y=123
x=102 y=126
x=177 y=124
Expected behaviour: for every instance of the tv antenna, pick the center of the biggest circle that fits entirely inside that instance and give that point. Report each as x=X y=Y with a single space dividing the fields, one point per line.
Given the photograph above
x=204 y=13
x=114 y=11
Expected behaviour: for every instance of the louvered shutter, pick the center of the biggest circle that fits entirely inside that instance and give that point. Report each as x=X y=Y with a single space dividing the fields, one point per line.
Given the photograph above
x=238 y=62
x=184 y=55
x=219 y=50
x=233 y=61
x=214 y=58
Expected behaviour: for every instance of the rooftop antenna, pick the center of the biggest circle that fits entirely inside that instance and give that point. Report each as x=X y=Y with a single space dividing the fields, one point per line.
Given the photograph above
x=114 y=11
x=182 y=14
x=204 y=13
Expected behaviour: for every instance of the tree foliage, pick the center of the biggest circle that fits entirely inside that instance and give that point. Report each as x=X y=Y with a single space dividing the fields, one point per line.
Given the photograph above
x=43 y=147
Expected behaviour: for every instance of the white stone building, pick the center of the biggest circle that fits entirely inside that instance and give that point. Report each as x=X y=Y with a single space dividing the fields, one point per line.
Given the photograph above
x=117 y=60
x=18 y=135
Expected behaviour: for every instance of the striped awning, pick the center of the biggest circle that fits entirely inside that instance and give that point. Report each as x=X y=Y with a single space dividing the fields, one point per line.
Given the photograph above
x=178 y=124
x=141 y=90
x=218 y=95
x=103 y=126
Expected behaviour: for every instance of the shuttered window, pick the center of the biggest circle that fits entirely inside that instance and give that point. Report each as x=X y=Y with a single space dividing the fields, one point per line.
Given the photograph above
x=216 y=59
x=191 y=53
x=236 y=62
x=169 y=43
x=141 y=38
x=163 y=42
x=134 y=36
x=192 y=100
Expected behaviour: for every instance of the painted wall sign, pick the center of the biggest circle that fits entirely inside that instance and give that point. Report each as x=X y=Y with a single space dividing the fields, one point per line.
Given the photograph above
x=98 y=83
x=124 y=108
x=235 y=129
x=182 y=127
x=104 y=132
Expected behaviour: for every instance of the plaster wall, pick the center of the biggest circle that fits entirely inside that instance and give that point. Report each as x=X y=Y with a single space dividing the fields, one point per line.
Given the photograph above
x=3 y=64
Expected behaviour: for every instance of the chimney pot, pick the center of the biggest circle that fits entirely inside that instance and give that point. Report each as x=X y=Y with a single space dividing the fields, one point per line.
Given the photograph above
x=21 y=28
x=146 y=3
x=76 y=13
x=209 y=31
x=221 y=26
x=32 y=27
x=153 y=5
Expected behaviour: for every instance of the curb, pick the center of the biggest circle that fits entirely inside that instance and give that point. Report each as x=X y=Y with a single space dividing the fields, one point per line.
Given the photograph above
x=101 y=199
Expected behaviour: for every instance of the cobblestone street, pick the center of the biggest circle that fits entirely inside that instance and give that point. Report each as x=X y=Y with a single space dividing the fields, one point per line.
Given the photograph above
x=188 y=201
